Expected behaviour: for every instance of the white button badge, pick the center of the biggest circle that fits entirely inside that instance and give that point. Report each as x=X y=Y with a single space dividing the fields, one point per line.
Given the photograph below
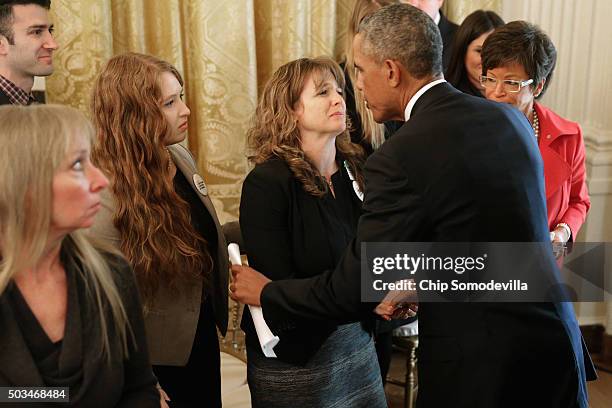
x=198 y=181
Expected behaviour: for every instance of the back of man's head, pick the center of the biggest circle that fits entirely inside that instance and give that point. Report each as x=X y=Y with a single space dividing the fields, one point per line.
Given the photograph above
x=6 y=14
x=406 y=34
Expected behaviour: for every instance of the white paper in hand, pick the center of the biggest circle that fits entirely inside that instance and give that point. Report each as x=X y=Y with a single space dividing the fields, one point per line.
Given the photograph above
x=267 y=339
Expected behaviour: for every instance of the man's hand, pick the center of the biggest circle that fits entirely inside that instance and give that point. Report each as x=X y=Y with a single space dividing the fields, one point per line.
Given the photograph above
x=247 y=285
x=390 y=311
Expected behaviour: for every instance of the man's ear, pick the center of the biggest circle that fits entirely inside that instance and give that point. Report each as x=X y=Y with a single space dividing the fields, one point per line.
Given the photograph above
x=3 y=45
x=393 y=73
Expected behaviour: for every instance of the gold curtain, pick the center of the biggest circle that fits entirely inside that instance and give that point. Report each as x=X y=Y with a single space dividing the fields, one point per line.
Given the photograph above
x=457 y=10
x=226 y=51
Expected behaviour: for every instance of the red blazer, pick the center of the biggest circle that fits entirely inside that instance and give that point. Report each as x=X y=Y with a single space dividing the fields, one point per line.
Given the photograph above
x=562 y=149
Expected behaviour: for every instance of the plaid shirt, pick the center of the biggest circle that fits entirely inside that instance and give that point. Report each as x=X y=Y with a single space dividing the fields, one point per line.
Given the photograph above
x=16 y=95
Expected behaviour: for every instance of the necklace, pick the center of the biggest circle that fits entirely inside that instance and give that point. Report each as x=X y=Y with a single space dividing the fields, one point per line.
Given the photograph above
x=536 y=124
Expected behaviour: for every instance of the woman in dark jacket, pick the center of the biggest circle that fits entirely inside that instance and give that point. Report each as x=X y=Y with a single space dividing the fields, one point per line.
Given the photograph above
x=298 y=212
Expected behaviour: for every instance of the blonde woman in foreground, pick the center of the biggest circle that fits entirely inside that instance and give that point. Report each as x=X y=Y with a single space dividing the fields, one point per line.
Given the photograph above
x=70 y=315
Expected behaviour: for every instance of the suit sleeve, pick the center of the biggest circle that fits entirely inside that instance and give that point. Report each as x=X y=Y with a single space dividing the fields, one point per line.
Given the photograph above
x=139 y=387
x=579 y=202
x=392 y=211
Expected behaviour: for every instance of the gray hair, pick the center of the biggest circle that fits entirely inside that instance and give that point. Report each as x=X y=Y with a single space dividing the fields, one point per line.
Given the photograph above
x=406 y=34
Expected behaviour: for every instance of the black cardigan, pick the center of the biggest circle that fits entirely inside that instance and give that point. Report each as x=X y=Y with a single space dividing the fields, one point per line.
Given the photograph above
x=4 y=99
x=287 y=234
x=124 y=383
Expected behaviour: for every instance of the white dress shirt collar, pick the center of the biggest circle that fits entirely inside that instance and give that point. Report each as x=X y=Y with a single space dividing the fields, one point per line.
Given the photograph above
x=417 y=95
x=437 y=18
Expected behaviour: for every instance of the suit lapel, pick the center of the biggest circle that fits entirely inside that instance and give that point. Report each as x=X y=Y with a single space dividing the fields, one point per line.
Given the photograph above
x=443 y=26
x=188 y=169
x=556 y=169
x=184 y=163
x=16 y=362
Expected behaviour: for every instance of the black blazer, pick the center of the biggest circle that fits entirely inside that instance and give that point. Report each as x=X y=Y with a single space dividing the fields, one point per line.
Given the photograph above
x=4 y=99
x=461 y=169
x=466 y=86
x=447 y=31
x=285 y=236
x=122 y=383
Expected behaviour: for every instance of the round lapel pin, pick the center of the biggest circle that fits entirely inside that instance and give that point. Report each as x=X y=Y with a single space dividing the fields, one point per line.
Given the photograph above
x=198 y=181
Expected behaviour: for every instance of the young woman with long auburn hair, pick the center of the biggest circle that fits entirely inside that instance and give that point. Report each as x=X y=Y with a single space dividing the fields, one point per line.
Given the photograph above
x=159 y=215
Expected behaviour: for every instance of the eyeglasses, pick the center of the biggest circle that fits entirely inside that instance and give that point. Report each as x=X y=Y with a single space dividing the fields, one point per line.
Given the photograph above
x=509 y=85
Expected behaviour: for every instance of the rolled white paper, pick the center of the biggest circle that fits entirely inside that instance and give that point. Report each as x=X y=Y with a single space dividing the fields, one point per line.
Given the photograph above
x=267 y=339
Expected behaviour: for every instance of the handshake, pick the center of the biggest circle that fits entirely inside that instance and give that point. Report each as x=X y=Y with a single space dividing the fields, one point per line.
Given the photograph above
x=402 y=310
x=247 y=284
x=398 y=304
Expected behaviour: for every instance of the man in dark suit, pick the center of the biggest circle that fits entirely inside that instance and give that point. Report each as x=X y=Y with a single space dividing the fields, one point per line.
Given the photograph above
x=26 y=48
x=447 y=28
x=461 y=169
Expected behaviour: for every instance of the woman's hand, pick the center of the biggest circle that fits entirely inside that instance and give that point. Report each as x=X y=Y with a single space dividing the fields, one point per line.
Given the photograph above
x=390 y=311
x=560 y=234
x=163 y=397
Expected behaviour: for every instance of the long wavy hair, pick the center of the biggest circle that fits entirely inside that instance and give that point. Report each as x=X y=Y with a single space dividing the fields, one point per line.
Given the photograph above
x=274 y=131
x=373 y=132
x=153 y=221
x=34 y=142
x=474 y=25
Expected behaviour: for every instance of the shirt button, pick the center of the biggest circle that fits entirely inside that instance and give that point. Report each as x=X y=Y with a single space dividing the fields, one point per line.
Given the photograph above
x=548 y=136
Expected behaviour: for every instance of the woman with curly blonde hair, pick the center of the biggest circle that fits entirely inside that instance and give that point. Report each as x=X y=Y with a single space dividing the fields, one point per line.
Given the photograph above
x=299 y=210
x=363 y=128
x=159 y=215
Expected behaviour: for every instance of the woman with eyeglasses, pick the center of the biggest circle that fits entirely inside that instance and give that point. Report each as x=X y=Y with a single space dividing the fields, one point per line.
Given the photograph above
x=518 y=60
x=299 y=210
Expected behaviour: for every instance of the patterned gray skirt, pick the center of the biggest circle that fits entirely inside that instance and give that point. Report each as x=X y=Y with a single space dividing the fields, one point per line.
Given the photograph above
x=344 y=373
